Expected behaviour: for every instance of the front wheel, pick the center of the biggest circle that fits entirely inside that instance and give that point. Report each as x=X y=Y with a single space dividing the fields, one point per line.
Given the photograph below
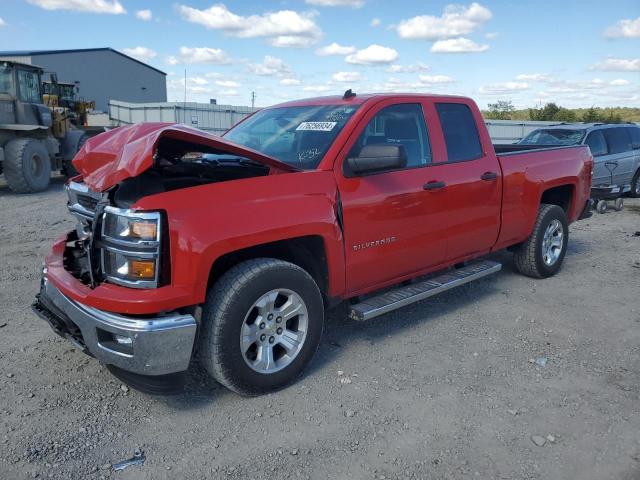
x=541 y=255
x=261 y=324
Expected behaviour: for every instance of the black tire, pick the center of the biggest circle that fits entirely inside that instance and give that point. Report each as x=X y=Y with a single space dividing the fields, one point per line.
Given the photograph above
x=69 y=170
x=635 y=186
x=228 y=303
x=529 y=257
x=27 y=166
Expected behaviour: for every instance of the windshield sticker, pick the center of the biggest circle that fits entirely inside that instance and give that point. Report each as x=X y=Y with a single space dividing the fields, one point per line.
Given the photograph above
x=317 y=126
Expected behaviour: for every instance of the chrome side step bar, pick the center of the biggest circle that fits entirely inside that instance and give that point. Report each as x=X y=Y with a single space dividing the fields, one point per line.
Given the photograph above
x=402 y=296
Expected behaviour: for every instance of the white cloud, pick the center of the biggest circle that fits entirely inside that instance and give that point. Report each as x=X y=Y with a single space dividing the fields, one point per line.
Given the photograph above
x=289 y=82
x=336 y=3
x=456 y=20
x=113 y=7
x=316 y=88
x=346 y=77
x=618 y=65
x=503 y=88
x=375 y=22
x=458 y=45
x=335 y=49
x=141 y=53
x=145 y=15
x=284 y=28
x=413 y=68
x=624 y=29
x=227 y=83
x=619 y=82
x=372 y=55
x=197 y=80
x=429 y=79
x=2 y=22
x=189 y=55
x=270 y=66
x=534 y=77
x=491 y=35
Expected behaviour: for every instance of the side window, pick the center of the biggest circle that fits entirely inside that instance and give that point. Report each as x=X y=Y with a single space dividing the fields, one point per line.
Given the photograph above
x=635 y=137
x=618 y=140
x=401 y=124
x=460 y=131
x=28 y=88
x=596 y=143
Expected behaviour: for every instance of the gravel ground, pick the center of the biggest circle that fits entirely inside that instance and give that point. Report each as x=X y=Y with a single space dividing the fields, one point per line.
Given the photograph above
x=446 y=388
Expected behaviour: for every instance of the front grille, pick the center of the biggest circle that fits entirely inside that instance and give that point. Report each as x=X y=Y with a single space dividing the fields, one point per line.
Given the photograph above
x=83 y=258
x=82 y=201
x=88 y=202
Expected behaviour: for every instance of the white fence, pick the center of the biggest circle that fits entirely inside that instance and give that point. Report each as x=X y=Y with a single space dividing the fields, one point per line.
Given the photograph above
x=510 y=131
x=216 y=119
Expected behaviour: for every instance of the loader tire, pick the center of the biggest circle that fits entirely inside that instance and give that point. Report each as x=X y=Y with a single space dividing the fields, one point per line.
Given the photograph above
x=27 y=165
x=541 y=255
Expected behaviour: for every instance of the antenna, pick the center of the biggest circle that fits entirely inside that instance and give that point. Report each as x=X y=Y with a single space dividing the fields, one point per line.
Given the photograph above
x=348 y=94
x=253 y=99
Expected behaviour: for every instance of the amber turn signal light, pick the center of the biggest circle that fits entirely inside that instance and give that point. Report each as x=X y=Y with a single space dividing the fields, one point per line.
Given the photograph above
x=142 y=269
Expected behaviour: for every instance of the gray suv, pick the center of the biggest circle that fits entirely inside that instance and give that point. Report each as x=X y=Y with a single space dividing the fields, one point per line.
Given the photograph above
x=615 y=144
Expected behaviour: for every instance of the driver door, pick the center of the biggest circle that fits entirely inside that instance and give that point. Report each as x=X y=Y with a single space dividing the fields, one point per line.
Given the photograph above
x=393 y=226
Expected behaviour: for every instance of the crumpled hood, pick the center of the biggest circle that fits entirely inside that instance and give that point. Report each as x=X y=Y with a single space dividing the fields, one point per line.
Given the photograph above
x=124 y=152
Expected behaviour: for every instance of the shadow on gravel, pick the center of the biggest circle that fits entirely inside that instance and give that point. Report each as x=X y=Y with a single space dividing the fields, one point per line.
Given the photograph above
x=200 y=390
x=57 y=182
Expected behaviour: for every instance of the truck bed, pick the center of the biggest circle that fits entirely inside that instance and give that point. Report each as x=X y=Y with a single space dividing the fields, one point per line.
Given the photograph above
x=528 y=173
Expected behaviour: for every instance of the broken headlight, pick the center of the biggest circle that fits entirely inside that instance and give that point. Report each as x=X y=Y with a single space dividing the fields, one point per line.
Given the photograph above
x=131 y=242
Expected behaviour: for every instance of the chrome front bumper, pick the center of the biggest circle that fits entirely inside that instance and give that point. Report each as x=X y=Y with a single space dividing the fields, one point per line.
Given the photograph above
x=147 y=346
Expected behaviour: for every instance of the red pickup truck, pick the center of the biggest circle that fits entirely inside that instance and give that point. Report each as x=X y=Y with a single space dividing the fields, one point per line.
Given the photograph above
x=231 y=248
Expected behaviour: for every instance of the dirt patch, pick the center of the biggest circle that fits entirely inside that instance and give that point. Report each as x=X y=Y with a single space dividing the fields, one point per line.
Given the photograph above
x=441 y=389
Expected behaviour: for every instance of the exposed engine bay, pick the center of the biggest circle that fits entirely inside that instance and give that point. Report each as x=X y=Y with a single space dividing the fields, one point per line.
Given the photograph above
x=179 y=164
x=176 y=165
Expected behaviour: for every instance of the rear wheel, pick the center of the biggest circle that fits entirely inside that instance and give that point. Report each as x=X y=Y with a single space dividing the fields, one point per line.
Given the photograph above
x=601 y=206
x=27 y=166
x=635 y=186
x=261 y=324
x=541 y=255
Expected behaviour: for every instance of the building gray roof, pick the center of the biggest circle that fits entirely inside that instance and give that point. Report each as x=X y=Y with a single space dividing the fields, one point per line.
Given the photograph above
x=33 y=53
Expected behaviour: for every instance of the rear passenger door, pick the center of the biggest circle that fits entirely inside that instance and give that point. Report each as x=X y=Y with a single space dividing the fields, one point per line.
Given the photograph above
x=473 y=182
x=620 y=158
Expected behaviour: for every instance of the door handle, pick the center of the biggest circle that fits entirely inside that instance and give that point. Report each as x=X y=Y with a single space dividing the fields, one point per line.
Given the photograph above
x=434 y=185
x=488 y=176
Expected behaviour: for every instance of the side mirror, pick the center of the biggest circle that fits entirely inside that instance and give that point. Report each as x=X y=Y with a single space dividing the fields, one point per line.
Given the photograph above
x=373 y=158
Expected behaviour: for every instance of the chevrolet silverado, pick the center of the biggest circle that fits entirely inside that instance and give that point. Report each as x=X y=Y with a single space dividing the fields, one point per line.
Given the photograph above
x=230 y=249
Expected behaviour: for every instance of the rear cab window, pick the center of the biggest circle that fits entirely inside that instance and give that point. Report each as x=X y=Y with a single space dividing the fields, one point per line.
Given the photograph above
x=460 y=132
x=618 y=139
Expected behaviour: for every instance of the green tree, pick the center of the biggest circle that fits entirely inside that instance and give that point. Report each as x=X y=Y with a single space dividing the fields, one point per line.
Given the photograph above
x=501 y=110
x=592 y=115
x=552 y=112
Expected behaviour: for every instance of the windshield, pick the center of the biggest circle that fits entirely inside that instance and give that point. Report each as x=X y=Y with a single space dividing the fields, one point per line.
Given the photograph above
x=553 y=136
x=299 y=136
x=5 y=79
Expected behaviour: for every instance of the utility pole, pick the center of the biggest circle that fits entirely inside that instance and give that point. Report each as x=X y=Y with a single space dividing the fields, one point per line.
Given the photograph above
x=253 y=99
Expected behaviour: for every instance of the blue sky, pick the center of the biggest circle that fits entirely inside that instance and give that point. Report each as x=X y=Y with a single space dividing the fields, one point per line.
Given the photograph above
x=576 y=53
